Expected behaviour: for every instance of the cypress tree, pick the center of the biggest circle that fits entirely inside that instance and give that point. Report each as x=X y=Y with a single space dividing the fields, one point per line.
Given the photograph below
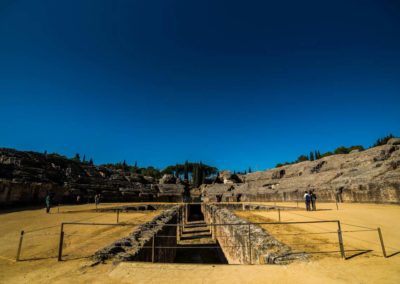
x=77 y=157
x=200 y=174
x=186 y=170
x=177 y=171
x=311 y=156
x=193 y=174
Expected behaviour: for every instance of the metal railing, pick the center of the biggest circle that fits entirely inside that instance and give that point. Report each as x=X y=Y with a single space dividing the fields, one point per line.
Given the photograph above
x=182 y=223
x=181 y=227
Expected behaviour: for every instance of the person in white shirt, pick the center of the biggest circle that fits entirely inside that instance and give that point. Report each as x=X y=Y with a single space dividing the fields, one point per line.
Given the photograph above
x=307 y=200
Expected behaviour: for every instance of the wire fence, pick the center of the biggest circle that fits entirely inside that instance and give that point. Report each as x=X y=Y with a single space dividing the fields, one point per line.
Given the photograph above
x=82 y=239
x=43 y=242
x=314 y=246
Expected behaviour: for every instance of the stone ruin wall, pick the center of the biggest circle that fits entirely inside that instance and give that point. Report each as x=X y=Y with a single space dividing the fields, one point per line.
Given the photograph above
x=234 y=240
x=26 y=177
x=33 y=193
x=29 y=193
x=137 y=246
x=372 y=175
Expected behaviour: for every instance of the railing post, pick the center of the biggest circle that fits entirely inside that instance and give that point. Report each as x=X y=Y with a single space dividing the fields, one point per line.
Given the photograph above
x=60 y=245
x=152 y=249
x=21 y=237
x=117 y=216
x=382 y=243
x=187 y=213
x=341 y=245
x=178 y=227
x=279 y=214
x=250 y=245
x=214 y=227
x=181 y=222
x=183 y=217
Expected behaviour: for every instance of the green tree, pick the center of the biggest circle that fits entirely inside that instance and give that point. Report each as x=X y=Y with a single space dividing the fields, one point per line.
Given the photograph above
x=195 y=175
x=356 y=147
x=311 y=156
x=77 y=157
x=326 y=154
x=383 y=140
x=186 y=171
x=302 y=158
x=341 y=150
x=125 y=166
x=201 y=174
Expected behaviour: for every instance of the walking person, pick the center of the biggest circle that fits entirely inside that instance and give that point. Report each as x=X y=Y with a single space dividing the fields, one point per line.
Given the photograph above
x=307 y=199
x=313 y=200
x=48 y=203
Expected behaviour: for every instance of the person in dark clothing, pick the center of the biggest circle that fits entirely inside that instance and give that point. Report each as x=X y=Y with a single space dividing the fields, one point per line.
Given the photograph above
x=313 y=200
x=48 y=203
x=307 y=199
x=339 y=195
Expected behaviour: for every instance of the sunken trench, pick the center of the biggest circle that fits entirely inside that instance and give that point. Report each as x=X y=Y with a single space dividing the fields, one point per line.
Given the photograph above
x=198 y=233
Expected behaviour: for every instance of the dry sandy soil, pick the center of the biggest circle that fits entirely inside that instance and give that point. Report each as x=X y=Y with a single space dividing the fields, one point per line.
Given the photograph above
x=39 y=264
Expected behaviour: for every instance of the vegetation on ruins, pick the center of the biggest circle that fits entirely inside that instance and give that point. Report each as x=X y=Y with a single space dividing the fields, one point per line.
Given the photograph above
x=197 y=171
x=383 y=140
x=339 y=150
x=77 y=157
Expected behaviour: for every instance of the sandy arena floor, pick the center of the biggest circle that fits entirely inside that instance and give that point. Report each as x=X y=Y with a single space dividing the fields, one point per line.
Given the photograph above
x=39 y=264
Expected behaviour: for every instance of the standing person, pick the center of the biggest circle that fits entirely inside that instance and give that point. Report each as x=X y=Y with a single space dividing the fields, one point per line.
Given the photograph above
x=307 y=199
x=97 y=199
x=78 y=199
x=339 y=195
x=48 y=203
x=313 y=200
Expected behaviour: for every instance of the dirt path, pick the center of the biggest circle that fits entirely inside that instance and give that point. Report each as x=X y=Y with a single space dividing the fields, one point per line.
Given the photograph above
x=41 y=239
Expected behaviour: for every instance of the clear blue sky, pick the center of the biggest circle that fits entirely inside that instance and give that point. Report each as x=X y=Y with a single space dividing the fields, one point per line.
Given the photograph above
x=230 y=83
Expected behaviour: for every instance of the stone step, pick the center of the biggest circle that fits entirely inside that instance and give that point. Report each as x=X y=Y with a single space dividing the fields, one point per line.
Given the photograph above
x=196 y=229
